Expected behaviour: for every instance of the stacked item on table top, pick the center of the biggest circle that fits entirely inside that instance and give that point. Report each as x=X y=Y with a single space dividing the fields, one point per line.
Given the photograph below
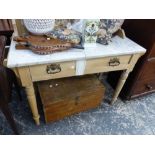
x=48 y=35
x=45 y=37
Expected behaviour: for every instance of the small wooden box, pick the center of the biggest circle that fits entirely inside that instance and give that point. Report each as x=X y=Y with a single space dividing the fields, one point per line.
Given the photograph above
x=67 y=96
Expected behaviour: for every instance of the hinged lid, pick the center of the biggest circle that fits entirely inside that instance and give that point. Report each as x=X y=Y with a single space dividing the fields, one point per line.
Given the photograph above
x=57 y=90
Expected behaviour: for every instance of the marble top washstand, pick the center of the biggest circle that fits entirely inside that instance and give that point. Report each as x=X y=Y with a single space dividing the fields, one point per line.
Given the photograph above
x=118 y=46
x=31 y=67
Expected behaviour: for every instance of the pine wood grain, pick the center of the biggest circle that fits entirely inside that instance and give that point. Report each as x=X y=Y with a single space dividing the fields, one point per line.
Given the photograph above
x=69 y=96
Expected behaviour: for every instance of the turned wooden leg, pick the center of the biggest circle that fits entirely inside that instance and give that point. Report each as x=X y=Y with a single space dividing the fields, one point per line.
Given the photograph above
x=32 y=102
x=120 y=85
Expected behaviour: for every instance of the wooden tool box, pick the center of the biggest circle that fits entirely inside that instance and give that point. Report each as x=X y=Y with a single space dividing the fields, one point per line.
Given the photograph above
x=67 y=96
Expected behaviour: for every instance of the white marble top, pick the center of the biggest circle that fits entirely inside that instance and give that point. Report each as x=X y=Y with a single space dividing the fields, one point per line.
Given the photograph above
x=118 y=46
x=20 y=58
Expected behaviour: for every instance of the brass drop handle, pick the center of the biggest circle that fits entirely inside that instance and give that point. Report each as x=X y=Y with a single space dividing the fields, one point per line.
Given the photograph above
x=53 y=69
x=149 y=86
x=114 y=62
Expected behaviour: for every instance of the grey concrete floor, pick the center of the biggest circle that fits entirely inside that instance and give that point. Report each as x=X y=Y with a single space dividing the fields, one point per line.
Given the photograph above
x=135 y=117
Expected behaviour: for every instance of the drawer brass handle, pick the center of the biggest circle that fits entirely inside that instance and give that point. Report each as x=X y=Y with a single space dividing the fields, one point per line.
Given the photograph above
x=114 y=62
x=53 y=69
x=149 y=86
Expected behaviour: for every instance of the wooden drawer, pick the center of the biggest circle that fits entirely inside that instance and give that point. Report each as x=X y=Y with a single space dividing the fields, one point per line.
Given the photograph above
x=107 y=64
x=144 y=86
x=152 y=51
x=148 y=71
x=52 y=71
x=61 y=98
